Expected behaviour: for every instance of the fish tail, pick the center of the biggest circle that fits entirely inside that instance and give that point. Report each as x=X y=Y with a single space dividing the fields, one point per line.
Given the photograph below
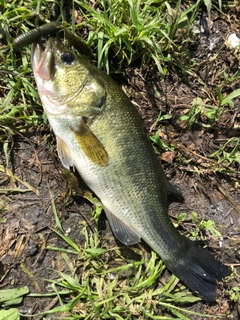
x=200 y=271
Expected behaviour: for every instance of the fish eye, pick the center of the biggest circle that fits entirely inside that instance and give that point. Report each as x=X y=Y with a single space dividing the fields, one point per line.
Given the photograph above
x=68 y=57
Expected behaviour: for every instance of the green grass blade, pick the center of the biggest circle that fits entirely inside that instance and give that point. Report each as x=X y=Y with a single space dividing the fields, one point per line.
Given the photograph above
x=10 y=314
x=229 y=97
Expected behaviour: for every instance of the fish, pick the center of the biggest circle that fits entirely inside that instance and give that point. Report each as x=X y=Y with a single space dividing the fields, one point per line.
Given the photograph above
x=101 y=134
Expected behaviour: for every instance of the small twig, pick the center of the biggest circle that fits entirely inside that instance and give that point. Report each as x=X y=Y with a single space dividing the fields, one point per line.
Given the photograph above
x=48 y=307
x=232 y=264
x=181 y=106
x=180 y=146
x=9 y=173
x=228 y=197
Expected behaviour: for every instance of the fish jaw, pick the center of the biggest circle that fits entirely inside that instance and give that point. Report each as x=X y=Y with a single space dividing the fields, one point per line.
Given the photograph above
x=44 y=64
x=41 y=60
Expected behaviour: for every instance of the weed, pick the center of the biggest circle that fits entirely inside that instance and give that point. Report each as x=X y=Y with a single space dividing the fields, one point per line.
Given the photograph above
x=194 y=114
x=101 y=283
x=108 y=289
x=235 y=294
x=20 y=109
x=156 y=138
x=10 y=314
x=200 y=228
x=160 y=143
x=199 y=110
x=141 y=30
x=228 y=152
x=205 y=227
x=11 y=297
x=212 y=113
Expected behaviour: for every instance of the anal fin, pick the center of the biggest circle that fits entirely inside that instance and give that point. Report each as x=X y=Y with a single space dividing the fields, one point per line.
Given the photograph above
x=121 y=231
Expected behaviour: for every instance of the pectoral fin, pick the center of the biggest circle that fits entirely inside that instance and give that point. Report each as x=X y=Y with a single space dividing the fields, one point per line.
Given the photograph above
x=90 y=145
x=121 y=231
x=64 y=154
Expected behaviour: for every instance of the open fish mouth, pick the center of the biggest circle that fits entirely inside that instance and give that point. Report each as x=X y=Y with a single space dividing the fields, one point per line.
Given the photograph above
x=43 y=61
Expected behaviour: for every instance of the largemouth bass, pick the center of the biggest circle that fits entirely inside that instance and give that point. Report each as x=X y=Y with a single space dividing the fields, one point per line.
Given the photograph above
x=99 y=132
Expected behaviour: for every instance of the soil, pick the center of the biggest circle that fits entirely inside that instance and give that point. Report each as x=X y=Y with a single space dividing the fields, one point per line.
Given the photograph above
x=207 y=187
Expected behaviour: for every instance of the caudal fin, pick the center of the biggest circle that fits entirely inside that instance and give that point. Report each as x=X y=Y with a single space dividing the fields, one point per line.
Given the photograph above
x=200 y=271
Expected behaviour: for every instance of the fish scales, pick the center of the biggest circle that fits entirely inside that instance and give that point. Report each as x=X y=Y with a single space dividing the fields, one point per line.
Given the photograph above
x=100 y=133
x=130 y=182
x=130 y=176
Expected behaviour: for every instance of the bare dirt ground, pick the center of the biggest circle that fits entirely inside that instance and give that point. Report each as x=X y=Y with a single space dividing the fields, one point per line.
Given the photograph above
x=24 y=235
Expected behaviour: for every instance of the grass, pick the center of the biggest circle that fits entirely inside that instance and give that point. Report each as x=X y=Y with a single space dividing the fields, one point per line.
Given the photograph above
x=129 y=34
x=9 y=298
x=120 y=33
x=212 y=112
x=111 y=286
x=139 y=30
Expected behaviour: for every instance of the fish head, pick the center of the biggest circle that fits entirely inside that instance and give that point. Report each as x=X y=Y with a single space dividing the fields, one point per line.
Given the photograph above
x=67 y=83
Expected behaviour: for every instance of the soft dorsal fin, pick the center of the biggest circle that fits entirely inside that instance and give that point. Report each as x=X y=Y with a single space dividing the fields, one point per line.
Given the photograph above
x=64 y=154
x=90 y=145
x=171 y=190
x=121 y=231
